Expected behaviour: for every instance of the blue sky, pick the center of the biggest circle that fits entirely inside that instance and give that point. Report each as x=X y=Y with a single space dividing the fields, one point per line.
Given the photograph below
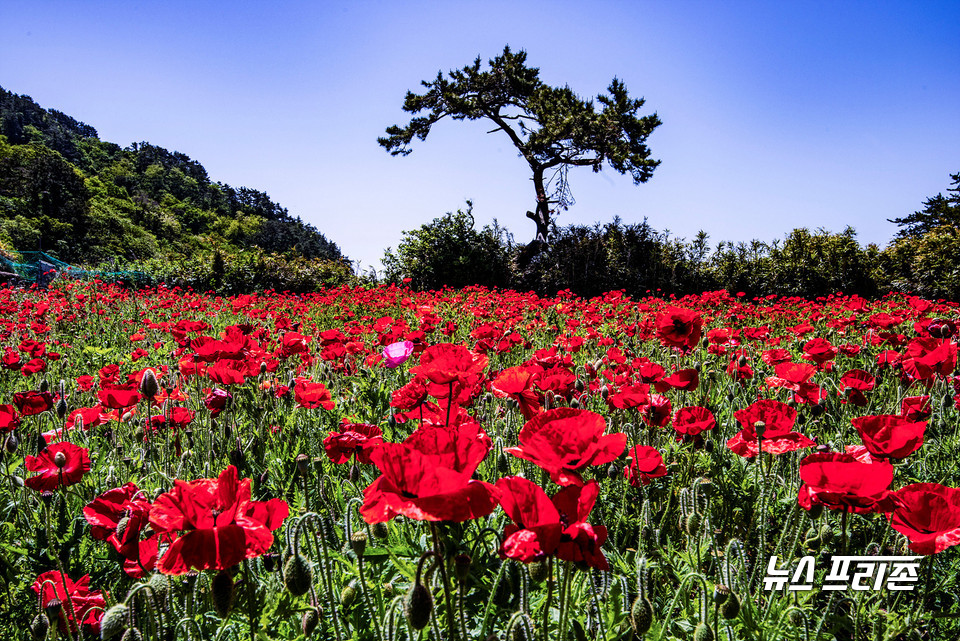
x=775 y=115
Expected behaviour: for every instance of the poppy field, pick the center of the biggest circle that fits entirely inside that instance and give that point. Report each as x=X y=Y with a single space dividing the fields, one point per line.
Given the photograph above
x=385 y=464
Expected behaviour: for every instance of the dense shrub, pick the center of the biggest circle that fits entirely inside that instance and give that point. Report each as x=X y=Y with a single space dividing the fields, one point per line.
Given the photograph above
x=450 y=251
x=230 y=273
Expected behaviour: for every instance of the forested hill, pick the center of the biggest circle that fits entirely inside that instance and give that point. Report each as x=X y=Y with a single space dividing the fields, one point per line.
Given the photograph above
x=87 y=201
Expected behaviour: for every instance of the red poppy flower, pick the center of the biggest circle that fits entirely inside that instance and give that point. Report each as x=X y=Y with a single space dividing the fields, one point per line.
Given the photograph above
x=890 y=436
x=358 y=439
x=630 y=396
x=855 y=382
x=580 y=542
x=926 y=358
x=88 y=416
x=428 y=477
x=109 y=373
x=841 y=482
x=916 y=408
x=557 y=379
x=546 y=526
x=410 y=396
x=517 y=383
x=85 y=383
x=658 y=411
x=775 y=420
x=535 y=531
x=180 y=417
x=447 y=363
x=34 y=366
x=119 y=397
x=791 y=375
x=680 y=328
x=774 y=357
x=928 y=515
x=691 y=421
x=9 y=418
x=221 y=525
x=819 y=350
x=119 y=516
x=88 y=605
x=226 y=372
x=645 y=465
x=60 y=465
x=32 y=403
x=686 y=380
x=216 y=401
x=565 y=440
x=312 y=395
x=11 y=360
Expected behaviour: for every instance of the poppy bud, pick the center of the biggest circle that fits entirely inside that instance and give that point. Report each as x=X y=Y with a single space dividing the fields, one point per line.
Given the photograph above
x=703 y=632
x=40 y=626
x=309 y=621
x=354 y=473
x=720 y=593
x=159 y=583
x=613 y=471
x=742 y=361
x=604 y=392
x=731 y=607
x=574 y=403
x=693 y=523
x=263 y=368
x=149 y=386
x=348 y=594
x=417 y=606
x=222 y=589
x=61 y=408
x=826 y=533
x=122 y=526
x=270 y=561
x=303 y=464
x=504 y=591
x=538 y=571
x=708 y=445
x=11 y=443
x=297 y=575
x=358 y=543
x=114 y=621
x=132 y=634
x=53 y=608
x=44 y=385
x=461 y=566
x=641 y=615
x=380 y=530
x=503 y=463
x=760 y=427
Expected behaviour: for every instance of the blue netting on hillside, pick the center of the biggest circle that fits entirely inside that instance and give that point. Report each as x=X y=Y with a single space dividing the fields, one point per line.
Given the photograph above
x=41 y=269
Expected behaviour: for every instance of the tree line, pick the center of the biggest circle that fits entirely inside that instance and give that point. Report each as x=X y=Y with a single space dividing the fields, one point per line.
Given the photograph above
x=923 y=259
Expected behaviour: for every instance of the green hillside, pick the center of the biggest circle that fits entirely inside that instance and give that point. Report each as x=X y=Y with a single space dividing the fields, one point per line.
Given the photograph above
x=88 y=201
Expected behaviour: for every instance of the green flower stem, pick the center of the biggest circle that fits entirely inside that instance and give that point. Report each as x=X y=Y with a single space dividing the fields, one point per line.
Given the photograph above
x=448 y=600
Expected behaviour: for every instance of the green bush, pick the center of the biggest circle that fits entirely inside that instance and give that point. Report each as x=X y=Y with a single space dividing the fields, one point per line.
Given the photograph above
x=450 y=251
